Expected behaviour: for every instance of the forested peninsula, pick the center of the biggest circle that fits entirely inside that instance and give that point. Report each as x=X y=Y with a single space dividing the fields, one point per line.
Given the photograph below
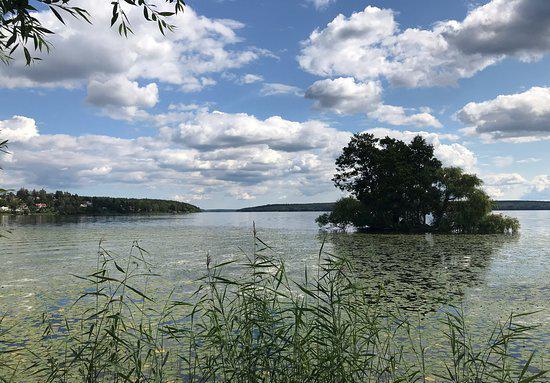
x=63 y=203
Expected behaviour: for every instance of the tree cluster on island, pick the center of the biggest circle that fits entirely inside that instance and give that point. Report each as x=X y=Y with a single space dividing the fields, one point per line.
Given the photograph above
x=63 y=203
x=400 y=187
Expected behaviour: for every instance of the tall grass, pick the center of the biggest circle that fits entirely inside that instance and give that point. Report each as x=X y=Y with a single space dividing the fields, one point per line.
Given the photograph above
x=257 y=325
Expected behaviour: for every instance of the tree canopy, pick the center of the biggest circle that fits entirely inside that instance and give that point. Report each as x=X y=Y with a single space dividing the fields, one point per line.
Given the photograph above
x=394 y=180
x=403 y=187
x=20 y=29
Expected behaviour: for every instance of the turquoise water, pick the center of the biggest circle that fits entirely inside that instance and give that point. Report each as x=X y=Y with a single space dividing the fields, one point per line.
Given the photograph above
x=489 y=276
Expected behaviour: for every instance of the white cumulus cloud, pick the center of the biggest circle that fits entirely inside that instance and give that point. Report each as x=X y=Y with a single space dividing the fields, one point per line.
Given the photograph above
x=18 y=129
x=121 y=98
x=345 y=95
x=370 y=45
x=120 y=91
x=517 y=117
x=198 y=47
x=208 y=153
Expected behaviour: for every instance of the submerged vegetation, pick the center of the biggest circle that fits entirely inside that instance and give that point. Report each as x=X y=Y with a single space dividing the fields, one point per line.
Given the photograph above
x=403 y=187
x=257 y=326
x=63 y=203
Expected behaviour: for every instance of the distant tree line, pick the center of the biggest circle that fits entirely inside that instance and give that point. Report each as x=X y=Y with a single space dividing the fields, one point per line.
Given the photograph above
x=63 y=203
x=290 y=207
x=329 y=206
x=521 y=205
x=402 y=187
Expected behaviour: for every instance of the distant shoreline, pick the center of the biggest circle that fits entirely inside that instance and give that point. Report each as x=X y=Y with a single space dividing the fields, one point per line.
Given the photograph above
x=318 y=207
x=96 y=214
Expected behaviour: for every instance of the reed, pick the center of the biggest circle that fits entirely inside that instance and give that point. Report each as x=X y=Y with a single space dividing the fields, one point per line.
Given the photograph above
x=257 y=324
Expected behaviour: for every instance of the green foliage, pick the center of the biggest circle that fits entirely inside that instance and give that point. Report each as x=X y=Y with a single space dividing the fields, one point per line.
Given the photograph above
x=498 y=224
x=63 y=203
x=394 y=180
x=346 y=211
x=462 y=204
x=398 y=185
x=323 y=219
x=3 y=146
x=3 y=149
x=257 y=326
x=21 y=30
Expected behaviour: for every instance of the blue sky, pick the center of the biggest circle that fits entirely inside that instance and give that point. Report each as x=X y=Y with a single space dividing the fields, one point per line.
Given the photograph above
x=250 y=102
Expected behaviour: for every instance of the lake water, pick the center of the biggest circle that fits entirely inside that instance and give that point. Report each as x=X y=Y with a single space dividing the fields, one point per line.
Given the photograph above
x=490 y=276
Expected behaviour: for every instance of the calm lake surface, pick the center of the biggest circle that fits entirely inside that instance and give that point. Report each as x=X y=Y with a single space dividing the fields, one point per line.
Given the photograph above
x=490 y=276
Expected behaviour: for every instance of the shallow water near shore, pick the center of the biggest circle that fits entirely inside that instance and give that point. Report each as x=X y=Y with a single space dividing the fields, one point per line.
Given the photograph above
x=490 y=276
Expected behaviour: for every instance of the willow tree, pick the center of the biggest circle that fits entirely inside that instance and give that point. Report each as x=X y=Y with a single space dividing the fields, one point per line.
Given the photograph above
x=21 y=30
x=4 y=150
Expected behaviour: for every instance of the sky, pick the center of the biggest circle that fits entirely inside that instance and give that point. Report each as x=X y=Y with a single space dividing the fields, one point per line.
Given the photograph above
x=250 y=102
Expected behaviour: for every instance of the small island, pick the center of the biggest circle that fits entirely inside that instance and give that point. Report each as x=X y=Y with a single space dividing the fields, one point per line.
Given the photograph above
x=402 y=187
x=26 y=201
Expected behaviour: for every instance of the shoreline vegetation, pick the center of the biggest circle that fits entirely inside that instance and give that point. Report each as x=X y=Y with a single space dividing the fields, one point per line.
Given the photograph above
x=30 y=202
x=259 y=326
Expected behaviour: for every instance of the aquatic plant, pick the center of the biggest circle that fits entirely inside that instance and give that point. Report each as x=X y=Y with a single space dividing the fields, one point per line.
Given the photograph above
x=256 y=324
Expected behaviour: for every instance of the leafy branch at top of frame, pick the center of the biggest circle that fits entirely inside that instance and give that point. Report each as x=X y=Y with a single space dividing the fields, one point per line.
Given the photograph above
x=21 y=30
x=3 y=149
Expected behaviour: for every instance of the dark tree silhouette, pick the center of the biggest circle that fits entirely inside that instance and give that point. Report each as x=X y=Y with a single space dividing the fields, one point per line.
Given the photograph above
x=397 y=186
x=3 y=149
x=395 y=181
